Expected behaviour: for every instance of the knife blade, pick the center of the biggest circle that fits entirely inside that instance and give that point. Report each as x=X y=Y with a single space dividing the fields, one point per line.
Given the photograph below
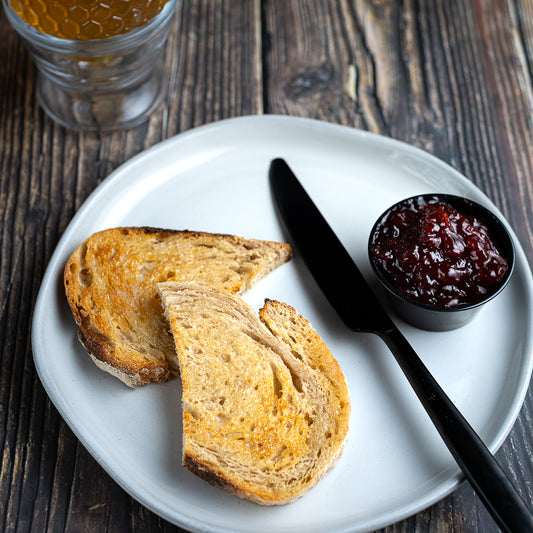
x=355 y=303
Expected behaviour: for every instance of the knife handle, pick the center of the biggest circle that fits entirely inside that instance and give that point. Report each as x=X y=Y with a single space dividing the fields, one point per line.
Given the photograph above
x=477 y=463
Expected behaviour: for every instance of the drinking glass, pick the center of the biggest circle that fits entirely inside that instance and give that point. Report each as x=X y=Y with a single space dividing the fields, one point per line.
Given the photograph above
x=99 y=84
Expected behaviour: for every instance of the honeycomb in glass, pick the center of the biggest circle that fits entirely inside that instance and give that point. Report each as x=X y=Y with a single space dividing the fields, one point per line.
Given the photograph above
x=84 y=19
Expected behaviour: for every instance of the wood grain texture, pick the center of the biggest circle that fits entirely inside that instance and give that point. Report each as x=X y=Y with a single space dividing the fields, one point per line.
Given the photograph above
x=453 y=77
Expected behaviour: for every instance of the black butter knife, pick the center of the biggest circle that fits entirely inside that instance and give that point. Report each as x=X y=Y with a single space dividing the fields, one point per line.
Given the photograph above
x=361 y=311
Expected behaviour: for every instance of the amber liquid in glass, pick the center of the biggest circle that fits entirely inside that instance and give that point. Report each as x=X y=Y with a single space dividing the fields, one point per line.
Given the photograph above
x=85 y=19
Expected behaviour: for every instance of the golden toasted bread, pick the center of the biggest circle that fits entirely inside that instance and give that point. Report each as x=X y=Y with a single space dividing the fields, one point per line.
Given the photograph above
x=265 y=405
x=110 y=282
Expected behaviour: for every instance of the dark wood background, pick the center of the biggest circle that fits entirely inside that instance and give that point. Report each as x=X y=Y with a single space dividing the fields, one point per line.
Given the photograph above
x=453 y=77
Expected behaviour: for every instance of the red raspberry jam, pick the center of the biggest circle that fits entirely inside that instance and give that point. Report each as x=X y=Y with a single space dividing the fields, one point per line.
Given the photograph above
x=432 y=253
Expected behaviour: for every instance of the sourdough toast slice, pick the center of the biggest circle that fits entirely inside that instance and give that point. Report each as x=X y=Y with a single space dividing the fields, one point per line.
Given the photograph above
x=265 y=405
x=110 y=283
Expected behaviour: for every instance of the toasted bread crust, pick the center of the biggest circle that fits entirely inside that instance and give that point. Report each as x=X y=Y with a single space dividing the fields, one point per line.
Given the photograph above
x=110 y=283
x=127 y=370
x=204 y=472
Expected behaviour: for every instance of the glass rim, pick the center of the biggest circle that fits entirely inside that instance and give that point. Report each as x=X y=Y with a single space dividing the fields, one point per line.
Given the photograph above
x=60 y=44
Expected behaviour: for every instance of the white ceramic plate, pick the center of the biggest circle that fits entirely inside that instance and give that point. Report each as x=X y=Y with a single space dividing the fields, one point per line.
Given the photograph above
x=215 y=178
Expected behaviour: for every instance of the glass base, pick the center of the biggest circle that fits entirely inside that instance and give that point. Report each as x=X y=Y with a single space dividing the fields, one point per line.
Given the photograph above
x=101 y=84
x=104 y=110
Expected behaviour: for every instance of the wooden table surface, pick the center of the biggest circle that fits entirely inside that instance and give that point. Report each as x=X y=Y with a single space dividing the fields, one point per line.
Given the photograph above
x=453 y=77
